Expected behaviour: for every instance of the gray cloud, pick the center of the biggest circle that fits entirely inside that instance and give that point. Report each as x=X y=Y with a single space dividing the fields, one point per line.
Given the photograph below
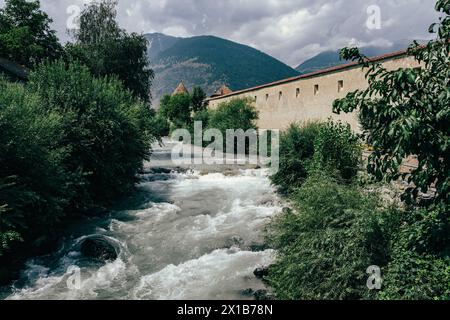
x=290 y=30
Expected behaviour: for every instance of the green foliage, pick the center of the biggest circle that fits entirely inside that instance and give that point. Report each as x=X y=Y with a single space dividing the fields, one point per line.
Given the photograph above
x=98 y=22
x=75 y=137
x=198 y=98
x=413 y=276
x=203 y=117
x=338 y=230
x=108 y=50
x=8 y=235
x=177 y=110
x=69 y=142
x=25 y=34
x=181 y=110
x=337 y=149
x=235 y=114
x=159 y=126
x=407 y=112
x=296 y=152
x=33 y=184
x=105 y=129
x=420 y=265
x=325 y=247
x=330 y=147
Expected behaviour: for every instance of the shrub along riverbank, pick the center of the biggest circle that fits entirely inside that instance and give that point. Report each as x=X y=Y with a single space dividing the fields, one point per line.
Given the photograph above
x=183 y=110
x=237 y=114
x=339 y=226
x=74 y=137
x=69 y=143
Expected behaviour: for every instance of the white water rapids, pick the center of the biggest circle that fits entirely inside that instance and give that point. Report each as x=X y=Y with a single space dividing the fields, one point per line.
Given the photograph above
x=183 y=235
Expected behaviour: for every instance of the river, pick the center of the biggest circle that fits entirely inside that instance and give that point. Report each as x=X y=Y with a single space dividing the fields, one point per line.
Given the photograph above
x=191 y=232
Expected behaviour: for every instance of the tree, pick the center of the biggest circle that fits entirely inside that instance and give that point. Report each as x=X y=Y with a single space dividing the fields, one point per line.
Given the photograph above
x=105 y=130
x=176 y=109
x=33 y=183
x=198 y=100
x=25 y=34
x=7 y=233
x=407 y=112
x=235 y=114
x=98 y=23
x=108 y=50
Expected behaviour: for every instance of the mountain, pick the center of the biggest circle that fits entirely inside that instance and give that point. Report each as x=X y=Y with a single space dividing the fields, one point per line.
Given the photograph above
x=331 y=58
x=209 y=62
x=158 y=42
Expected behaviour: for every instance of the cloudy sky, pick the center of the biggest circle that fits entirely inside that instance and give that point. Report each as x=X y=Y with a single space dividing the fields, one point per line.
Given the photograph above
x=290 y=30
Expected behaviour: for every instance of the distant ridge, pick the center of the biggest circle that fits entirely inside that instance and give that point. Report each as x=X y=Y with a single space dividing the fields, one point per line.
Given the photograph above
x=329 y=59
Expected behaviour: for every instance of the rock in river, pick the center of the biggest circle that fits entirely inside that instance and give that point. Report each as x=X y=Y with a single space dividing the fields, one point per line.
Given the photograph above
x=99 y=247
x=260 y=273
x=263 y=295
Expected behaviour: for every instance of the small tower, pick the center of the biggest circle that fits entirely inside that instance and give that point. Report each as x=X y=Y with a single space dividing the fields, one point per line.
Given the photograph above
x=223 y=90
x=181 y=89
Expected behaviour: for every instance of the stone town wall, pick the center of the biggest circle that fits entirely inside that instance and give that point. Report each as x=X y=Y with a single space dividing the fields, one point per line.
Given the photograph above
x=310 y=97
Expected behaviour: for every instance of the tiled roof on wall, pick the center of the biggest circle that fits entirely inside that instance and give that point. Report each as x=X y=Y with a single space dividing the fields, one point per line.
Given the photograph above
x=222 y=91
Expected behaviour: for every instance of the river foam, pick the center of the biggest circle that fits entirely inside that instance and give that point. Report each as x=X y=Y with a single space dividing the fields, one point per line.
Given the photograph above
x=221 y=274
x=188 y=235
